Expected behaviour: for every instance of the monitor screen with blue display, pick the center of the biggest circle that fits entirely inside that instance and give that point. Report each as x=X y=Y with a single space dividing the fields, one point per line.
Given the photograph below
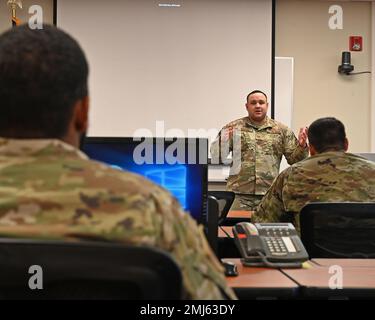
x=179 y=165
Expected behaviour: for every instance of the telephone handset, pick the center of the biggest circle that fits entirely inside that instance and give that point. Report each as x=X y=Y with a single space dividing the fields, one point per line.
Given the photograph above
x=274 y=245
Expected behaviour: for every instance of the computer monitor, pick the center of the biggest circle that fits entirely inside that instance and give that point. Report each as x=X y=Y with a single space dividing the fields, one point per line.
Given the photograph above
x=178 y=164
x=367 y=155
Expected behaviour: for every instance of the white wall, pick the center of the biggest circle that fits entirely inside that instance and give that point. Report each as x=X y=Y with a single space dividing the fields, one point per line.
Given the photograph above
x=372 y=123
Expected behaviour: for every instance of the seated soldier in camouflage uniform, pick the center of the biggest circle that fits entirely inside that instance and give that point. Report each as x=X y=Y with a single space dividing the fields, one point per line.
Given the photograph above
x=329 y=175
x=257 y=144
x=50 y=190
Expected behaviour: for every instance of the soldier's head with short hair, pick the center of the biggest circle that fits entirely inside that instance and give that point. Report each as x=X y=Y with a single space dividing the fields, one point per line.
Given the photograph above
x=43 y=85
x=327 y=134
x=257 y=106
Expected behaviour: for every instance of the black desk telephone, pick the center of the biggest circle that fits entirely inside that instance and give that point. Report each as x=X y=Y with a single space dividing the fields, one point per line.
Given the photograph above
x=274 y=245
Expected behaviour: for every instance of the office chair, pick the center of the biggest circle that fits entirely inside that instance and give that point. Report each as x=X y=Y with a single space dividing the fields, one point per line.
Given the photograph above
x=219 y=204
x=87 y=270
x=211 y=227
x=338 y=230
x=225 y=200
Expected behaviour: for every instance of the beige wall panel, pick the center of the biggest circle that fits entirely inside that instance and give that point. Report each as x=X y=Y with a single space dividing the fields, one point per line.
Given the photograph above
x=302 y=32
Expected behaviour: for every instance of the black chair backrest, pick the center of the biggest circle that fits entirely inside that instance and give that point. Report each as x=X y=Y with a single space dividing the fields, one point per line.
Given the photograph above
x=212 y=222
x=338 y=230
x=87 y=270
x=225 y=200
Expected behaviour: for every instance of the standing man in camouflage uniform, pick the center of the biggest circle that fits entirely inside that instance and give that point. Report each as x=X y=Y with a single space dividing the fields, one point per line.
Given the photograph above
x=329 y=175
x=257 y=144
x=50 y=190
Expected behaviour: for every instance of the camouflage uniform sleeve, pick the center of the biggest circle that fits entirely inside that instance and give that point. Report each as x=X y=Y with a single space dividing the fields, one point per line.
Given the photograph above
x=293 y=152
x=220 y=148
x=271 y=208
x=203 y=274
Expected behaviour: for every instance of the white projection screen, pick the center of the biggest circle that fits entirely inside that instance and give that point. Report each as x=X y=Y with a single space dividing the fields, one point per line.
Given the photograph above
x=184 y=65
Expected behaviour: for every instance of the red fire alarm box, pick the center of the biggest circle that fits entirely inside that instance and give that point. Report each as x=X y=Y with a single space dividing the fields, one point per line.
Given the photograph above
x=355 y=43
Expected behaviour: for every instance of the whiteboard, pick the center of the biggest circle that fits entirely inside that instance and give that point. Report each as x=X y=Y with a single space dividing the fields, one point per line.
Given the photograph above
x=284 y=82
x=183 y=65
x=284 y=70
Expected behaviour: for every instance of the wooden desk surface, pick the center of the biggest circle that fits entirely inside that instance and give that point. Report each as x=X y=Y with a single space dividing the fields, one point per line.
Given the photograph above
x=227 y=229
x=353 y=278
x=233 y=214
x=347 y=263
x=312 y=281
x=252 y=278
x=239 y=214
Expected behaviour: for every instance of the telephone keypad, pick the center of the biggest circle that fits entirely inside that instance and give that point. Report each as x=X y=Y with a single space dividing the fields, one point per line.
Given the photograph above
x=276 y=246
